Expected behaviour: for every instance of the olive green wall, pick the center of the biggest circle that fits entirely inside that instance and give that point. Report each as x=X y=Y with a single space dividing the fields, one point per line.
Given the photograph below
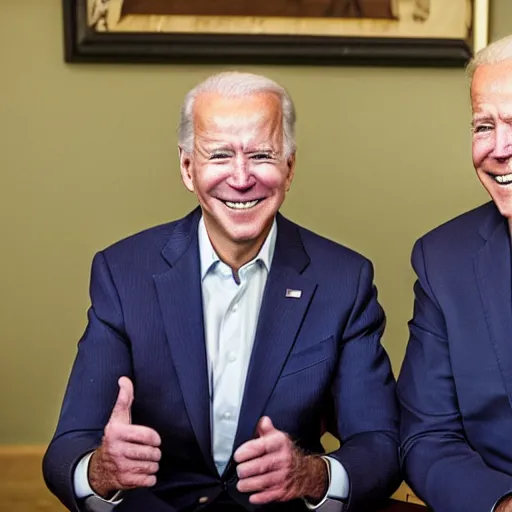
x=87 y=156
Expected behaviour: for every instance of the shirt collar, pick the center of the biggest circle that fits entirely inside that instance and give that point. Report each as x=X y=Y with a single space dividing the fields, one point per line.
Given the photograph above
x=208 y=256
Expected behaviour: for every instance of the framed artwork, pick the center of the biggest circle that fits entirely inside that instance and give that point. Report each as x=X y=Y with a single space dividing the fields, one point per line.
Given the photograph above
x=355 y=32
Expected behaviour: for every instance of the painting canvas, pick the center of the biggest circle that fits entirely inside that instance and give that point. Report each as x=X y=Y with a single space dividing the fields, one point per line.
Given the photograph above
x=294 y=8
x=412 y=32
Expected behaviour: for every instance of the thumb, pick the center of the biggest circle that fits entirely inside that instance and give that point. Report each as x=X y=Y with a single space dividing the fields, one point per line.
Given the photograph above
x=264 y=427
x=121 y=412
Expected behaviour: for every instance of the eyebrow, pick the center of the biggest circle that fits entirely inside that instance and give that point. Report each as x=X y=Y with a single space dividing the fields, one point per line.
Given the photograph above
x=481 y=117
x=265 y=149
x=215 y=148
x=246 y=150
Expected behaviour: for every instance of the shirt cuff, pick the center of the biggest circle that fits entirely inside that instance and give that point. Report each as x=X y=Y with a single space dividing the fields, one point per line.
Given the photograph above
x=498 y=502
x=339 y=483
x=81 y=482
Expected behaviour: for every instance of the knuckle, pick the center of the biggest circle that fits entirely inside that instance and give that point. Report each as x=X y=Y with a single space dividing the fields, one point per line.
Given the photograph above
x=241 y=472
x=124 y=466
x=115 y=450
x=147 y=438
x=282 y=437
x=116 y=456
x=110 y=430
x=149 y=468
x=112 y=433
x=134 y=481
x=146 y=469
x=272 y=465
x=263 y=482
x=133 y=453
x=261 y=468
x=125 y=479
x=149 y=481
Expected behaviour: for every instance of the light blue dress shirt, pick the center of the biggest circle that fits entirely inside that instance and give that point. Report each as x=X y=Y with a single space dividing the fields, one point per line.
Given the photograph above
x=231 y=306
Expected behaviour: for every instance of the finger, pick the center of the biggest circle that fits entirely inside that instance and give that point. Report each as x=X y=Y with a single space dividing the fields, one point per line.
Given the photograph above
x=145 y=468
x=133 y=480
x=136 y=452
x=138 y=434
x=259 y=466
x=264 y=427
x=267 y=496
x=250 y=450
x=260 y=446
x=143 y=435
x=122 y=408
x=261 y=482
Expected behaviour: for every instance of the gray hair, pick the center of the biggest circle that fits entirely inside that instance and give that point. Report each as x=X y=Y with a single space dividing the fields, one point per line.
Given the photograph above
x=236 y=84
x=494 y=53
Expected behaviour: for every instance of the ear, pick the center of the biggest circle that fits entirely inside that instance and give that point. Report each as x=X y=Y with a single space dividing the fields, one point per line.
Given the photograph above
x=291 y=171
x=186 y=169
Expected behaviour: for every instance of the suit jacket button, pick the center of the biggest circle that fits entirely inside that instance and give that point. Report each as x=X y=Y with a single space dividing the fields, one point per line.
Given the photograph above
x=203 y=499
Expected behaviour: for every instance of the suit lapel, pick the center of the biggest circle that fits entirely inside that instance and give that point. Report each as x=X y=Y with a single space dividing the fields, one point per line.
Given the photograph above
x=279 y=322
x=493 y=271
x=180 y=298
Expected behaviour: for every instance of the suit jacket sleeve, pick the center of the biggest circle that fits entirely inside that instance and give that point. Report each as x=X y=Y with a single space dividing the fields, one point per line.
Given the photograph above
x=365 y=403
x=103 y=356
x=438 y=463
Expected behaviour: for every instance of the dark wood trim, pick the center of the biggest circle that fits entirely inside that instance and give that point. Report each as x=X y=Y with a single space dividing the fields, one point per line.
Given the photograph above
x=81 y=44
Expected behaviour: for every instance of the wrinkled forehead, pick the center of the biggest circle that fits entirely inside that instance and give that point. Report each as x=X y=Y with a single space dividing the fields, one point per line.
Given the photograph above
x=492 y=83
x=258 y=113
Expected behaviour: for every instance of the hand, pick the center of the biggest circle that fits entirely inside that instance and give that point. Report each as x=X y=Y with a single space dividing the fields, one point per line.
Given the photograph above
x=129 y=454
x=505 y=505
x=274 y=469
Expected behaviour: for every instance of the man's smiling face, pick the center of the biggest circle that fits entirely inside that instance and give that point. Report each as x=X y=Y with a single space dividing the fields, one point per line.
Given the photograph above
x=238 y=168
x=491 y=99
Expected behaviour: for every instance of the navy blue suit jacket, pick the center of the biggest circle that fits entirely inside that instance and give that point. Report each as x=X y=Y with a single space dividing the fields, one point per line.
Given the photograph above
x=314 y=357
x=455 y=385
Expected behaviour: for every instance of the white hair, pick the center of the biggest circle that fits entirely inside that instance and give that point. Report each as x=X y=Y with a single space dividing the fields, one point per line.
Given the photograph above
x=236 y=84
x=494 y=53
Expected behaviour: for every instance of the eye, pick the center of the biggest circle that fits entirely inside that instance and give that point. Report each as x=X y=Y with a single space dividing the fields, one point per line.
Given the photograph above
x=262 y=156
x=219 y=156
x=483 y=128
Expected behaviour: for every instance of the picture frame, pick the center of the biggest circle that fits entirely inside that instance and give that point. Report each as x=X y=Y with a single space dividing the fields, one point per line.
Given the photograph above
x=299 y=32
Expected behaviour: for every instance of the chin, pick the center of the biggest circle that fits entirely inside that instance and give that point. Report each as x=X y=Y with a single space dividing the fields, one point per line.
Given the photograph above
x=243 y=238
x=245 y=235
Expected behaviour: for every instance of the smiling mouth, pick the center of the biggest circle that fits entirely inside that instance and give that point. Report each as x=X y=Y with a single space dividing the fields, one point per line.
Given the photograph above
x=241 y=205
x=501 y=179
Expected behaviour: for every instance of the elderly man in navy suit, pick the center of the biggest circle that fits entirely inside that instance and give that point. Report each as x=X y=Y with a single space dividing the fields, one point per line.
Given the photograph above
x=220 y=345
x=455 y=384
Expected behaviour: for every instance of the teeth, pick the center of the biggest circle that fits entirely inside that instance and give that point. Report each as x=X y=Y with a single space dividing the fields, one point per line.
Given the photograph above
x=504 y=180
x=241 y=206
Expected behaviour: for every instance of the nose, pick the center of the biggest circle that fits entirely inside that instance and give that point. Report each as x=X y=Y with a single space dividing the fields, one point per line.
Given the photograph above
x=502 y=150
x=241 y=177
